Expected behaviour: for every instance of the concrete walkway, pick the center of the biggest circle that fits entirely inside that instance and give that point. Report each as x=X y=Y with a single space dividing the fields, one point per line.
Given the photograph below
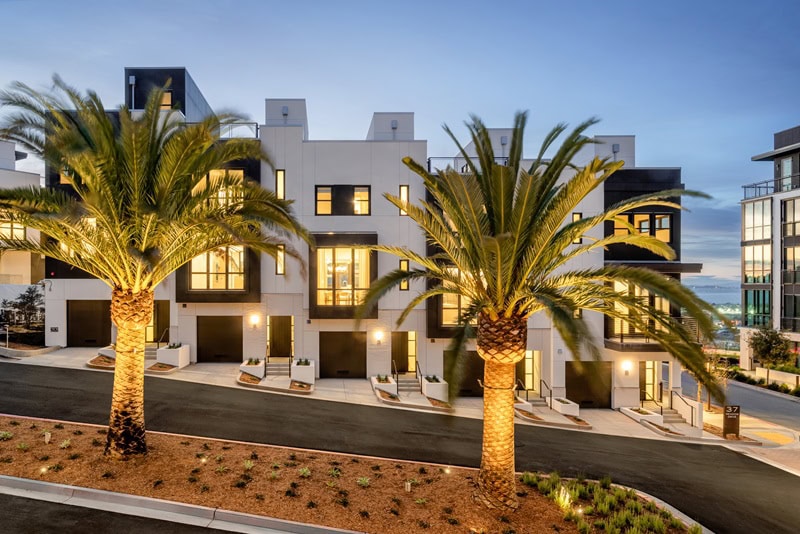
x=773 y=444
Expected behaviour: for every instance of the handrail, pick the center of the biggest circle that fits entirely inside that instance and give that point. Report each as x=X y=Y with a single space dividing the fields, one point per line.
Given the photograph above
x=161 y=338
x=542 y=382
x=646 y=396
x=396 y=376
x=419 y=374
x=521 y=383
x=673 y=392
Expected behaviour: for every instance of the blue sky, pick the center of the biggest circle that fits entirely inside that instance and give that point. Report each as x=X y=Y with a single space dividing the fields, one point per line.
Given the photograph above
x=702 y=85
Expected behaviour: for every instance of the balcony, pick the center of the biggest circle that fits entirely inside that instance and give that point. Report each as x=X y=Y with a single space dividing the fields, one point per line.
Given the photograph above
x=769 y=187
x=620 y=337
x=458 y=163
x=238 y=130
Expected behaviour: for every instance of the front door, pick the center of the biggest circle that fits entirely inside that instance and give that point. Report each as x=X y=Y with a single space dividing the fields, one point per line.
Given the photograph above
x=280 y=336
x=400 y=352
x=648 y=381
x=219 y=339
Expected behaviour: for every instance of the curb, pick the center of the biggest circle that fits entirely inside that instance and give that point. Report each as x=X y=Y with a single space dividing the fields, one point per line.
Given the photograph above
x=553 y=424
x=187 y=514
x=777 y=394
x=19 y=353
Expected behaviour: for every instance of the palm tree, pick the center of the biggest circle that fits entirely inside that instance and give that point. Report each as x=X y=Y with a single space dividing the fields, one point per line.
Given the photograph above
x=505 y=239
x=143 y=202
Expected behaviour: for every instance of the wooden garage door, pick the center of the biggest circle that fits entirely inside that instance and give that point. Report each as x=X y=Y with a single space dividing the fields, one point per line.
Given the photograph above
x=466 y=371
x=88 y=323
x=219 y=339
x=590 y=384
x=342 y=354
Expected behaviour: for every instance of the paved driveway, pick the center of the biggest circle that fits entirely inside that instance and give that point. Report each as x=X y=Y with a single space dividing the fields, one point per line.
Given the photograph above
x=724 y=490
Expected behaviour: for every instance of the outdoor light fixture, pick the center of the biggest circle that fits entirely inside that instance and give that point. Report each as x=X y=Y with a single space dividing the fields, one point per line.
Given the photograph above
x=378 y=337
x=254 y=320
x=627 y=365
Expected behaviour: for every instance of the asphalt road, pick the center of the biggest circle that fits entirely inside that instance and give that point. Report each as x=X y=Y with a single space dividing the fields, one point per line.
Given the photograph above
x=756 y=402
x=29 y=516
x=724 y=490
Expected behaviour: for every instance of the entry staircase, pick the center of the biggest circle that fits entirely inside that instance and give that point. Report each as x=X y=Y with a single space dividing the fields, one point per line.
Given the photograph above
x=669 y=415
x=150 y=351
x=407 y=382
x=279 y=367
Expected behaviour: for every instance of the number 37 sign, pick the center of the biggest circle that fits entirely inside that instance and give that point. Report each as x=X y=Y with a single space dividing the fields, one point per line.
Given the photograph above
x=730 y=420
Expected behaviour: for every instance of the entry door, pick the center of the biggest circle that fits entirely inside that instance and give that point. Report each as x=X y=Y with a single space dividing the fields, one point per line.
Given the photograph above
x=648 y=381
x=529 y=370
x=400 y=352
x=88 y=323
x=219 y=339
x=280 y=336
x=342 y=354
x=159 y=323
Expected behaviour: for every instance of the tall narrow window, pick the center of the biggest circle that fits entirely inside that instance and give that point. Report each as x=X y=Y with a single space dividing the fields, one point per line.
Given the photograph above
x=404 y=198
x=324 y=200
x=404 y=267
x=663 y=227
x=620 y=227
x=280 y=183
x=641 y=221
x=166 y=100
x=361 y=200
x=577 y=216
x=786 y=174
x=280 y=260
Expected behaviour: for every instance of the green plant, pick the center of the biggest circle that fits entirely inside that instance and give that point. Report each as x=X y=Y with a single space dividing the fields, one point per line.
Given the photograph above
x=303 y=361
x=304 y=472
x=421 y=501
x=274 y=475
x=452 y=521
x=241 y=484
x=22 y=447
x=64 y=444
x=77 y=432
x=192 y=479
x=56 y=467
x=363 y=482
x=58 y=426
x=5 y=436
x=605 y=482
x=73 y=456
x=204 y=489
x=248 y=465
x=330 y=483
x=311 y=504
x=335 y=472
x=695 y=529
x=413 y=481
x=343 y=501
x=221 y=469
x=219 y=458
x=259 y=496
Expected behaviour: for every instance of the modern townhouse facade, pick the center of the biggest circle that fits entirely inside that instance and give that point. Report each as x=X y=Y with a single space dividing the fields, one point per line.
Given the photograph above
x=771 y=246
x=234 y=305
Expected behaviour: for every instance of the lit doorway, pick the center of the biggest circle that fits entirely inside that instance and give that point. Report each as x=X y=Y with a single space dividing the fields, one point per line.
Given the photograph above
x=280 y=336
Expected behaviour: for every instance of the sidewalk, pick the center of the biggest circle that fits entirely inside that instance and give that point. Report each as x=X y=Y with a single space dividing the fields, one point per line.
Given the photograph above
x=779 y=447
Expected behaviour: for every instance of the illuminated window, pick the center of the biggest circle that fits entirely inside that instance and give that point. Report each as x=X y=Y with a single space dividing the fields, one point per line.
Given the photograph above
x=404 y=198
x=453 y=306
x=280 y=183
x=222 y=269
x=11 y=230
x=166 y=100
x=361 y=201
x=324 y=200
x=577 y=216
x=280 y=260
x=342 y=276
x=663 y=227
x=628 y=328
x=65 y=176
x=620 y=227
x=227 y=196
x=404 y=267
x=641 y=221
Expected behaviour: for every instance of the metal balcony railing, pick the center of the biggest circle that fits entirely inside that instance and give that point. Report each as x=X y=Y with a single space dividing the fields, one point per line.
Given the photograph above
x=458 y=163
x=774 y=185
x=238 y=130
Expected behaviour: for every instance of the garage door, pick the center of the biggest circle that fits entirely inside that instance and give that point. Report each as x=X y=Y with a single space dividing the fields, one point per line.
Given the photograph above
x=88 y=323
x=590 y=384
x=219 y=339
x=466 y=371
x=342 y=354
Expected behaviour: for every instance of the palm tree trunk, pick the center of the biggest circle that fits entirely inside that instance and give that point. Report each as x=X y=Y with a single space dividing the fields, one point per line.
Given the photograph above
x=501 y=344
x=131 y=313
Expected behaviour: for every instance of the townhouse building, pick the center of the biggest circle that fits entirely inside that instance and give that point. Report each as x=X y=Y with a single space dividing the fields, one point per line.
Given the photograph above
x=771 y=246
x=233 y=305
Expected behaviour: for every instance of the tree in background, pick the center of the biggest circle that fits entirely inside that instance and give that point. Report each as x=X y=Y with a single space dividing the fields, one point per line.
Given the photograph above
x=770 y=347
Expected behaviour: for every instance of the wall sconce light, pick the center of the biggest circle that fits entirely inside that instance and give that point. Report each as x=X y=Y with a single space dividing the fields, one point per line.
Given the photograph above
x=627 y=365
x=255 y=319
x=378 y=337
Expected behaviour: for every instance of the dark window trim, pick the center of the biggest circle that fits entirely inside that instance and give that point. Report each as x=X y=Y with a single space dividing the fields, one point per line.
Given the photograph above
x=404 y=266
x=343 y=240
x=338 y=206
x=250 y=293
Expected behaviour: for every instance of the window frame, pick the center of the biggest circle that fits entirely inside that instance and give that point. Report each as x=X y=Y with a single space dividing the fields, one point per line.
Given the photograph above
x=226 y=274
x=403 y=195
x=280 y=261
x=13 y=227
x=343 y=200
x=404 y=266
x=280 y=184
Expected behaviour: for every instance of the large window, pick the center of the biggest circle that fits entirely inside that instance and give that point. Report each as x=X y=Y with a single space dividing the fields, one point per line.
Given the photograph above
x=342 y=200
x=11 y=230
x=757 y=220
x=343 y=276
x=222 y=269
x=622 y=327
x=453 y=306
x=790 y=219
x=757 y=307
x=757 y=264
x=658 y=225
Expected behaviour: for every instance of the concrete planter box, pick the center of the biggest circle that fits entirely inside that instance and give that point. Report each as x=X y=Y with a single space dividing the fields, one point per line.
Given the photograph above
x=388 y=387
x=108 y=352
x=303 y=373
x=790 y=379
x=564 y=406
x=637 y=415
x=435 y=390
x=176 y=357
x=258 y=370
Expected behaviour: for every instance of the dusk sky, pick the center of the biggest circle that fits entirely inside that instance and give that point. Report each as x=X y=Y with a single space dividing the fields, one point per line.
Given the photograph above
x=702 y=85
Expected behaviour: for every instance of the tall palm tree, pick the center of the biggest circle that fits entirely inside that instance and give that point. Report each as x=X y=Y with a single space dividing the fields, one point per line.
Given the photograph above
x=143 y=202
x=505 y=239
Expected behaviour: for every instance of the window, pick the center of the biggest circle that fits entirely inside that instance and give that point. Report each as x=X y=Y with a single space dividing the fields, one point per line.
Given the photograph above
x=343 y=276
x=453 y=306
x=757 y=260
x=663 y=227
x=786 y=174
x=403 y=198
x=620 y=225
x=342 y=200
x=65 y=176
x=757 y=219
x=658 y=225
x=790 y=220
x=280 y=184
x=226 y=196
x=575 y=218
x=641 y=221
x=11 y=230
x=222 y=269
x=166 y=100
x=280 y=260
x=404 y=267
x=621 y=327
x=757 y=307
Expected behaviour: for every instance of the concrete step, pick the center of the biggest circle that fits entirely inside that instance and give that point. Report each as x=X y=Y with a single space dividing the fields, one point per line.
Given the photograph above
x=278 y=369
